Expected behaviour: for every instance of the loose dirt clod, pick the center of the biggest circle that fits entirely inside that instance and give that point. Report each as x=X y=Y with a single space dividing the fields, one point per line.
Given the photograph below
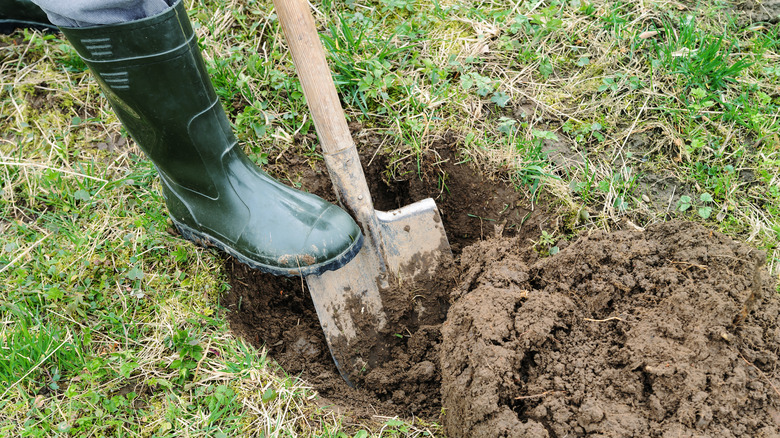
x=668 y=332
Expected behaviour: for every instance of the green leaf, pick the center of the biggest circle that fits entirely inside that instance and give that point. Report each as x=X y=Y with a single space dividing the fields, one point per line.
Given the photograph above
x=698 y=93
x=583 y=61
x=269 y=395
x=705 y=212
x=55 y=293
x=705 y=197
x=484 y=86
x=135 y=274
x=500 y=99
x=554 y=24
x=180 y=255
x=543 y=135
x=259 y=129
x=361 y=434
x=696 y=144
x=685 y=202
x=505 y=125
x=466 y=82
x=545 y=67
x=126 y=368
x=635 y=83
x=161 y=382
x=394 y=423
x=81 y=195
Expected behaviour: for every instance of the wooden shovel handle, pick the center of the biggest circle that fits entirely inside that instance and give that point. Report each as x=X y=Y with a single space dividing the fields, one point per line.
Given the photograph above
x=314 y=73
x=340 y=154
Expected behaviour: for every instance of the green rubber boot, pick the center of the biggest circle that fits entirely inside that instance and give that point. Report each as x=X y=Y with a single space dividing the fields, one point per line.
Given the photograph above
x=153 y=75
x=19 y=14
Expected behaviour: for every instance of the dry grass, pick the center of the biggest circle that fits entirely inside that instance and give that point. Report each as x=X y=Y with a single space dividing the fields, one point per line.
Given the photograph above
x=503 y=88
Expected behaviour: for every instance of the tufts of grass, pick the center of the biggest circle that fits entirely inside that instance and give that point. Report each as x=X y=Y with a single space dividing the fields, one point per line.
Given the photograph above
x=110 y=325
x=697 y=58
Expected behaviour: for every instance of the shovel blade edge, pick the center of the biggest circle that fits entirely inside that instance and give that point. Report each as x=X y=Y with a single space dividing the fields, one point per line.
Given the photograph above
x=349 y=300
x=414 y=240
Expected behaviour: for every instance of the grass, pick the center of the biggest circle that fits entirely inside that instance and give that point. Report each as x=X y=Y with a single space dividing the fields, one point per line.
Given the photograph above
x=110 y=326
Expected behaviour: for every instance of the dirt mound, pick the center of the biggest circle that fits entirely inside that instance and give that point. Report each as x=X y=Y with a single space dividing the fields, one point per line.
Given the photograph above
x=668 y=332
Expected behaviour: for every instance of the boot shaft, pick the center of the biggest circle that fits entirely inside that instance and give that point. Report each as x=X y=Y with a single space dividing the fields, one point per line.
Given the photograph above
x=152 y=73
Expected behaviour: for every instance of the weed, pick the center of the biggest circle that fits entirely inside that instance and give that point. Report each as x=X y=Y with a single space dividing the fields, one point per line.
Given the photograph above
x=546 y=244
x=189 y=353
x=697 y=58
x=705 y=202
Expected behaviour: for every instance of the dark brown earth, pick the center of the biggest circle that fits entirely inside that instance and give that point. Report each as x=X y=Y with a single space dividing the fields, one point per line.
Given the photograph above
x=759 y=11
x=278 y=313
x=668 y=332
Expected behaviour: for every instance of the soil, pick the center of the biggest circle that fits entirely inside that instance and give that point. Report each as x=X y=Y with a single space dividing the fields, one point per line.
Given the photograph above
x=757 y=11
x=672 y=331
x=277 y=313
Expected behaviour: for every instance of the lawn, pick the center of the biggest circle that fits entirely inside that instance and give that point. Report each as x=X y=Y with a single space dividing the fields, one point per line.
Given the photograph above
x=611 y=114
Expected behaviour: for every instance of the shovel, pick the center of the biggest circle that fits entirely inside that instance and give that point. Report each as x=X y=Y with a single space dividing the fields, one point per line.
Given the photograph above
x=402 y=247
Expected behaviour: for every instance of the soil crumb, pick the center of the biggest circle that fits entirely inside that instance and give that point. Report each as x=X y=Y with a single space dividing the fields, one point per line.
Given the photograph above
x=667 y=332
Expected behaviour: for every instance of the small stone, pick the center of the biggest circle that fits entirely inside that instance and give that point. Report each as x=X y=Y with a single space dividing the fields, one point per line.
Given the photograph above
x=538 y=413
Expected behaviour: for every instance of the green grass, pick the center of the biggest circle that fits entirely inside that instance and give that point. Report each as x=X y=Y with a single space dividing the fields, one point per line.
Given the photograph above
x=109 y=326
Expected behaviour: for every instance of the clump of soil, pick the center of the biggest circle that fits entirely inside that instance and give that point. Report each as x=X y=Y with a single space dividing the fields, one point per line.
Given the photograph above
x=668 y=332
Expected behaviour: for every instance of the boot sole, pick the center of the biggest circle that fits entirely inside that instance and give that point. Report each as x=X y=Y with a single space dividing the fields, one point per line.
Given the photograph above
x=206 y=241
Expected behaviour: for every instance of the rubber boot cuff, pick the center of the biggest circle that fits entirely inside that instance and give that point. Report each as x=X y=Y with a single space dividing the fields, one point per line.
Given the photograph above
x=23 y=14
